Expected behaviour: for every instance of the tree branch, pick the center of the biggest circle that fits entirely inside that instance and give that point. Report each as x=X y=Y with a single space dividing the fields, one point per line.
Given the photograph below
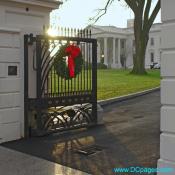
x=147 y=10
x=132 y=4
x=101 y=12
x=153 y=16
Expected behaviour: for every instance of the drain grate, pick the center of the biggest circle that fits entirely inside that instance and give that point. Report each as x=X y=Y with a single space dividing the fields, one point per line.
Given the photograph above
x=138 y=116
x=89 y=150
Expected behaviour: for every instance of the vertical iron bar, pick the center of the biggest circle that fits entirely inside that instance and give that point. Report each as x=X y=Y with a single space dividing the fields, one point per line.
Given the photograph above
x=71 y=32
x=61 y=86
x=50 y=74
x=38 y=79
x=78 y=31
x=75 y=90
x=68 y=86
x=84 y=68
x=68 y=79
x=89 y=69
x=68 y=30
x=55 y=81
x=75 y=32
x=78 y=83
x=94 y=81
x=71 y=86
x=90 y=64
x=58 y=84
x=65 y=87
x=26 y=122
x=78 y=74
x=81 y=72
x=87 y=65
x=47 y=87
x=38 y=56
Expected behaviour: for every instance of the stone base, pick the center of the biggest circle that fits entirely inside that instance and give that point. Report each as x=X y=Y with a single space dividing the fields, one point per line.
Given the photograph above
x=166 y=164
x=116 y=66
x=99 y=115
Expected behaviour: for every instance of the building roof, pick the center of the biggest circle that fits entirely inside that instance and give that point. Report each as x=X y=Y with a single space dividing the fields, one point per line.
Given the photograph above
x=52 y=4
x=107 y=29
x=114 y=29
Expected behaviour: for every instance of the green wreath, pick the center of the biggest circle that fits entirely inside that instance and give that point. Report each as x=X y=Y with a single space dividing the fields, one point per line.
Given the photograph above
x=61 y=62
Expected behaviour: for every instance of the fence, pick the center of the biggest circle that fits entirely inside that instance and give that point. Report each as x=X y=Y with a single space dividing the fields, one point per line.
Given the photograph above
x=61 y=102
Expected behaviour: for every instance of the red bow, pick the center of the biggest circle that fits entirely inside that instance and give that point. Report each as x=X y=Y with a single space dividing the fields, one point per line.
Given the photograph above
x=73 y=52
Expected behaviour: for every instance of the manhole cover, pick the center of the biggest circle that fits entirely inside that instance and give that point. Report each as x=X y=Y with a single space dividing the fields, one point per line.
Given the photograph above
x=89 y=150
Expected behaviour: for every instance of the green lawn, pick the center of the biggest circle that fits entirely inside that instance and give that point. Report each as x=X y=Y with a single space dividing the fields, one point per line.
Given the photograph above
x=113 y=83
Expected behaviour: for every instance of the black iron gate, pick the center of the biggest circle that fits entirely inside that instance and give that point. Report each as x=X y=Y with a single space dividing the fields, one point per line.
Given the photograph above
x=59 y=104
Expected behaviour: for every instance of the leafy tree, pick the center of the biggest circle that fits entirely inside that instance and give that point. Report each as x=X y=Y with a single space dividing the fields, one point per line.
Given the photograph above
x=144 y=17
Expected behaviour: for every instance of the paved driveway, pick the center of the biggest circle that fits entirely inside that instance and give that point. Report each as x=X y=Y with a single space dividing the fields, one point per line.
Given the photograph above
x=129 y=137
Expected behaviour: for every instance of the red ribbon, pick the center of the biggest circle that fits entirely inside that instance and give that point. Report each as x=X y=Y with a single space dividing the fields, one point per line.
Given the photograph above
x=72 y=51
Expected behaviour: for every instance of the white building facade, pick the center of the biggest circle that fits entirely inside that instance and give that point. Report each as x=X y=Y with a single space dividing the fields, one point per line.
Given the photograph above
x=167 y=138
x=17 y=17
x=116 y=45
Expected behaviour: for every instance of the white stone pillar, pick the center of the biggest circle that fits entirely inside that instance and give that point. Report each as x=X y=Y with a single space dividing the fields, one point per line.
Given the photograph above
x=26 y=17
x=114 y=53
x=167 y=138
x=106 y=51
x=98 y=52
x=119 y=47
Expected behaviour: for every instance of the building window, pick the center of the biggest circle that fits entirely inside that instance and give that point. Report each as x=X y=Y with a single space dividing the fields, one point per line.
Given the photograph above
x=152 y=41
x=152 y=57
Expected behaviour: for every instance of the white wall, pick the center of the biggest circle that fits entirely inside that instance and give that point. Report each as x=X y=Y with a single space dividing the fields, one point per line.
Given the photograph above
x=15 y=21
x=167 y=138
x=10 y=89
x=156 y=48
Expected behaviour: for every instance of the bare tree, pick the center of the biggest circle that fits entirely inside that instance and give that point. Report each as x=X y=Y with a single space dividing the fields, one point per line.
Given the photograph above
x=144 y=17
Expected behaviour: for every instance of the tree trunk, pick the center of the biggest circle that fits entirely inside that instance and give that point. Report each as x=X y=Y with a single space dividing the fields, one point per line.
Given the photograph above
x=139 y=58
x=141 y=40
x=143 y=21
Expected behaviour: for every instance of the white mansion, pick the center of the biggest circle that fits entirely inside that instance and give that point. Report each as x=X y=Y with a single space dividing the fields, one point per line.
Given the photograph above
x=116 y=45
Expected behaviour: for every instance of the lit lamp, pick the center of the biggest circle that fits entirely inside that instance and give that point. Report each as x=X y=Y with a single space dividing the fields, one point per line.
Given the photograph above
x=102 y=58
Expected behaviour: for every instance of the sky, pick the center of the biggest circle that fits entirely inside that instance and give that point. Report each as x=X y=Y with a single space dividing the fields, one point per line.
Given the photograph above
x=76 y=14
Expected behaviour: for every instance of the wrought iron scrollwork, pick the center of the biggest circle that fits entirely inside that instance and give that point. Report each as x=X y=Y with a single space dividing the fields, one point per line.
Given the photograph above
x=67 y=117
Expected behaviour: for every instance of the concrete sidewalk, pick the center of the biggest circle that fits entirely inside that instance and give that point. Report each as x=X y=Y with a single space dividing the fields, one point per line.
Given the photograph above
x=16 y=163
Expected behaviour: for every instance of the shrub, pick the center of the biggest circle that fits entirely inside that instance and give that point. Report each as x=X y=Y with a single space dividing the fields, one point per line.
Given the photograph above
x=101 y=66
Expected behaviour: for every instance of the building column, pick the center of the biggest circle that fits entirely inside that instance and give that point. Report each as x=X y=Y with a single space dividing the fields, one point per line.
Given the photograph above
x=106 y=51
x=118 y=57
x=114 y=53
x=98 y=52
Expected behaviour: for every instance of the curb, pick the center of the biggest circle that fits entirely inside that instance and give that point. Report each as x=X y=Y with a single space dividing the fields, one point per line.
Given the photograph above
x=126 y=97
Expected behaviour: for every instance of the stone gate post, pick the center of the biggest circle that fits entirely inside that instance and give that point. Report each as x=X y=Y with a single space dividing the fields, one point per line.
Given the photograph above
x=167 y=138
x=16 y=19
